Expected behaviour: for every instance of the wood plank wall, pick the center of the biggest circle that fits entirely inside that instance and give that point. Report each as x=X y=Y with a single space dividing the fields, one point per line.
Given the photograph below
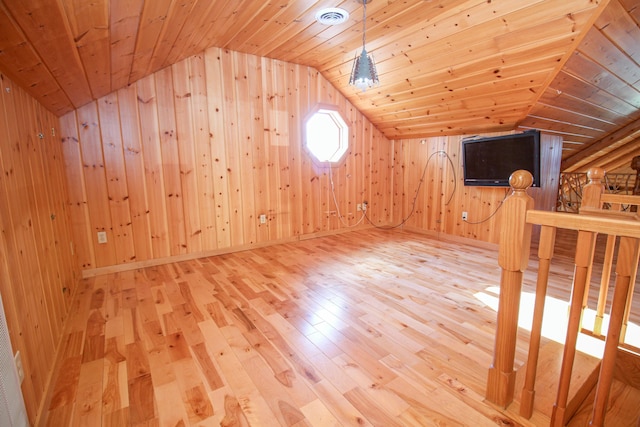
x=429 y=171
x=183 y=162
x=38 y=273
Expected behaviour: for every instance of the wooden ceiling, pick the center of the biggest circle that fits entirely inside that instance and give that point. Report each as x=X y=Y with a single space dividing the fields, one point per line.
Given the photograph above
x=569 y=67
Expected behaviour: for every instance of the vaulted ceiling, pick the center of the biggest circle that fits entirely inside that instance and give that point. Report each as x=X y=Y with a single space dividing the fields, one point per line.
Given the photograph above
x=447 y=67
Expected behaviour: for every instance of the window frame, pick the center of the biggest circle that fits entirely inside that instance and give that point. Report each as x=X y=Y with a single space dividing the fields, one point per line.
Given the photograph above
x=333 y=111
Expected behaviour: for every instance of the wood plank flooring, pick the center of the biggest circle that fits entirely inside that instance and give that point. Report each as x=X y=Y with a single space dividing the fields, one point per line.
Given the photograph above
x=366 y=328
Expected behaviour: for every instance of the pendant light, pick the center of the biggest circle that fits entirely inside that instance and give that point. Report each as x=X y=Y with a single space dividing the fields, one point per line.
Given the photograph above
x=363 y=73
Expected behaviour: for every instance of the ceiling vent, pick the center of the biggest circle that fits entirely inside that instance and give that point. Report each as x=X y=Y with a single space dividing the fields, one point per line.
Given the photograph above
x=332 y=16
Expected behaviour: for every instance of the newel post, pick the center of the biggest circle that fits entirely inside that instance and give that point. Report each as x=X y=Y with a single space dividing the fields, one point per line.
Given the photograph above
x=594 y=189
x=513 y=256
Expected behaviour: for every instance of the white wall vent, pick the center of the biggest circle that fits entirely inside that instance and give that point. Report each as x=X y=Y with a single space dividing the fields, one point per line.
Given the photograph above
x=332 y=16
x=12 y=410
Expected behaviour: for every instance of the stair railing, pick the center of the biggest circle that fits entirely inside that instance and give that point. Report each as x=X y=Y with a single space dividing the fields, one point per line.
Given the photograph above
x=597 y=202
x=518 y=217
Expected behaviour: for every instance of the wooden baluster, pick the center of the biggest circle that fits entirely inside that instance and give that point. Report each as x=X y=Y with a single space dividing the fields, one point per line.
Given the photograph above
x=583 y=258
x=635 y=165
x=627 y=258
x=513 y=256
x=545 y=253
x=591 y=194
x=632 y=285
x=587 y=280
x=604 y=284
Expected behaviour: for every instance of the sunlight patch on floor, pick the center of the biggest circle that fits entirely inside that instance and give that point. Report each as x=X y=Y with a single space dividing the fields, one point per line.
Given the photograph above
x=554 y=322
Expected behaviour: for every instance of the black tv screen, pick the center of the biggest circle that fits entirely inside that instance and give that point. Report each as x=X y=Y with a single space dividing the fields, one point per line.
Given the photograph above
x=490 y=161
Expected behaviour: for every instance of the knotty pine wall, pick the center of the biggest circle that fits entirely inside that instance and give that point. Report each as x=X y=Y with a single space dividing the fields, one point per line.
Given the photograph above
x=441 y=197
x=183 y=162
x=38 y=273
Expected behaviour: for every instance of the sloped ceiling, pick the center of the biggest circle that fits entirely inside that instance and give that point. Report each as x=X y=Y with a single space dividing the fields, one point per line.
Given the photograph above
x=569 y=67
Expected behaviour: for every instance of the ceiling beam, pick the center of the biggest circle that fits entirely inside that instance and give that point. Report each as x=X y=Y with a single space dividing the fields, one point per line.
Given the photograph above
x=620 y=157
x=601 y=144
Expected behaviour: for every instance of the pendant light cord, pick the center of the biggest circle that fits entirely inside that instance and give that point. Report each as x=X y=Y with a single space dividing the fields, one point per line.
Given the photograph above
x=364 y=22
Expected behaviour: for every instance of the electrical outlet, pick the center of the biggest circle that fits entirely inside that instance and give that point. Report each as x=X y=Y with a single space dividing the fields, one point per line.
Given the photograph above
x=102 y=237
x=464 y=216
x=263 y=219
x=364 y=206
x=359 y=207
x=18 y=361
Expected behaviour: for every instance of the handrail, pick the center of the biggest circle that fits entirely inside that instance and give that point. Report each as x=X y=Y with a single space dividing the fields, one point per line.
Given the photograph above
x=625 y=199
x=616 y=226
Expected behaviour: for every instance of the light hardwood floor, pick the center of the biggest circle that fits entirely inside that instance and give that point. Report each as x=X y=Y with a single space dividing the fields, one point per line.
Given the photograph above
x=366 y=328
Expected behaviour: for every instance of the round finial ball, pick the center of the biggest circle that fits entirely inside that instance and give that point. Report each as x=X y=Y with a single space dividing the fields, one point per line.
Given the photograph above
x=521 y=180
x=595 y=174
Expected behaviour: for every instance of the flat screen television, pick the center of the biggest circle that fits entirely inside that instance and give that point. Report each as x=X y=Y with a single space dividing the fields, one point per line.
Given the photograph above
x=490 y=161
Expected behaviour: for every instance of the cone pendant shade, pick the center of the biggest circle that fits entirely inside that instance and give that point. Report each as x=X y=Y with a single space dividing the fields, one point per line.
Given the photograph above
x=363 y=73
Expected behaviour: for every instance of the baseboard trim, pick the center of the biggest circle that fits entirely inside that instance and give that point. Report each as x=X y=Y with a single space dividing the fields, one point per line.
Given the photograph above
x=88 y=273
x=453 y=239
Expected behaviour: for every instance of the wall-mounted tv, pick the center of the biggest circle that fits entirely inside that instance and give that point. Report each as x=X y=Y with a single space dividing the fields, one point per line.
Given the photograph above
x=490 y=161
